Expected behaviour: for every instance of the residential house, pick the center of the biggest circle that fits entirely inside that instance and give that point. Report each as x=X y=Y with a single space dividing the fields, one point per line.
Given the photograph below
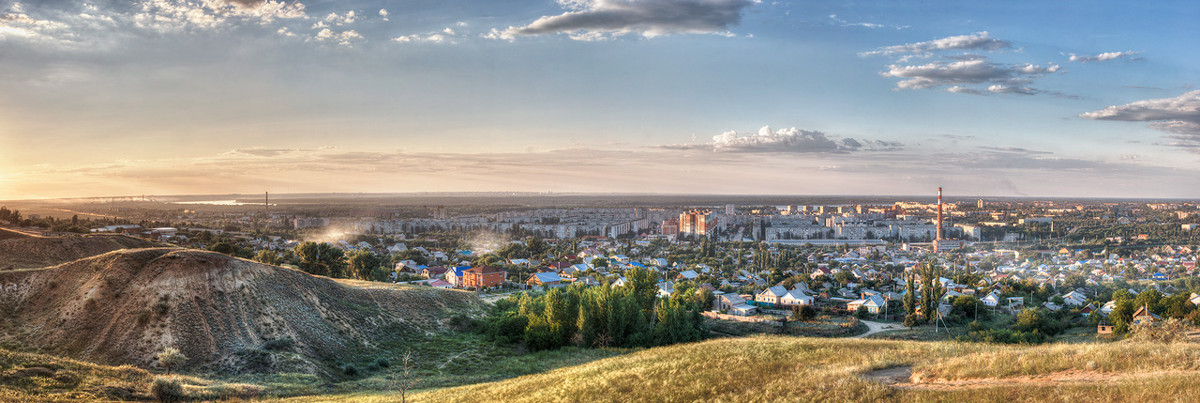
x=455 y=275
x=733 y=304
x=547 y=279
x=796 y=297
x=874 y=304
x=771 y=295
x=1143 y=315
x=483 y=276
x=665 y=289
x=433 y=272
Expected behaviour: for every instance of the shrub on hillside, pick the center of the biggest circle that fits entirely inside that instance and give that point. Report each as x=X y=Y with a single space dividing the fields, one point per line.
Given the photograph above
x=167 y=389
x=282 y=344
x=350 y=370
x=1169 y=331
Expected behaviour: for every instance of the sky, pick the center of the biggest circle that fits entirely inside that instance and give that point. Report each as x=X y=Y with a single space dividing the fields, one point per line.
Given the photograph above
x=1013 y=98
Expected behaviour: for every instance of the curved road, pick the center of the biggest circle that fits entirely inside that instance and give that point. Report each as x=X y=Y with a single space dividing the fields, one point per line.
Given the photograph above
x=875 y=327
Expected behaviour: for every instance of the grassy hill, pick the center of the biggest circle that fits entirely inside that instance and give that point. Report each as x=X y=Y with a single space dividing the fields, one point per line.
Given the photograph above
x=18 y=251
x=809 y=369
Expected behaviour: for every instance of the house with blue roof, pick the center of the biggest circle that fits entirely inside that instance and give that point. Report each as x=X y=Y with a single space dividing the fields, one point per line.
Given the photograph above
x=454 y=275
x=546 y=279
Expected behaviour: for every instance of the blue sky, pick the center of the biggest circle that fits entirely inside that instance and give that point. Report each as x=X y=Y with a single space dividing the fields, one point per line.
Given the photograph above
x=665 y=96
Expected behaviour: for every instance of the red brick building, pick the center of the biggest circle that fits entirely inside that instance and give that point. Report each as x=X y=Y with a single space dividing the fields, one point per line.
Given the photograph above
x=483 y=276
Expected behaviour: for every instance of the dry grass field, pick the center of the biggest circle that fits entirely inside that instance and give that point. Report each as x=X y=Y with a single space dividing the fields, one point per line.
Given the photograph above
x=780 y=368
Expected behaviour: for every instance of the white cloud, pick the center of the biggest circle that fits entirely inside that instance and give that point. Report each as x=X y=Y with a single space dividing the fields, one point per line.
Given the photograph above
x=843 y=23
x=977 y=41
x=344 y=19
x=445 y=36
x=788 y=140
x=962 y=73
x=177 y=15
x=1179 y=116
x=383 y=12
x=344 y=38
x=589 y=20
x=1002 y=78
x=1106 y=56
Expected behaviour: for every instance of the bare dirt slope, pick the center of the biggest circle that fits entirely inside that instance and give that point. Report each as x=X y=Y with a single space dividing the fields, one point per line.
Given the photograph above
x=26 y=252
x=125 y=306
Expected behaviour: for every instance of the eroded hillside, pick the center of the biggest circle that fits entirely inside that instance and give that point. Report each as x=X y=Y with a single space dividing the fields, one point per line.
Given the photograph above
x=224 y=313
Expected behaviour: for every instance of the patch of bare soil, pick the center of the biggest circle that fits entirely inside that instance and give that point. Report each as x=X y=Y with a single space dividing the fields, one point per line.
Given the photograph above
x=225 y=314
x=889 y=376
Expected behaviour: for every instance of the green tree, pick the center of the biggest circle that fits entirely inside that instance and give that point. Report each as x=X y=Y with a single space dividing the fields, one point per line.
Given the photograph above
x=364 y=265
x=910 y=300
x=322 y=259
x=1122 y=316
x=931 y=290
x=223 y=247
x=170 y=358
x=268 y=256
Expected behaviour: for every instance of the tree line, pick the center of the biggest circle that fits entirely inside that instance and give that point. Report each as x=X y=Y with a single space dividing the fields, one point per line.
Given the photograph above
x=630 y=315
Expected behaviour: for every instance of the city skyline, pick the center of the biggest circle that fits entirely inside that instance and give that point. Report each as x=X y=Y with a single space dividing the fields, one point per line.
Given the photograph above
x=596 y=96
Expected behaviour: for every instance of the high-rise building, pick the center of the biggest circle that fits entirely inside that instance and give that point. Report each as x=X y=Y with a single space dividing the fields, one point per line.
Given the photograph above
x=670 y=226
x=730 y=209
x=697 y=222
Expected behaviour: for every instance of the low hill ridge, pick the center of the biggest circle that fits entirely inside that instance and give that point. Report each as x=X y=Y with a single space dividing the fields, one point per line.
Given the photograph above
x=35 y=252
x=123 y=307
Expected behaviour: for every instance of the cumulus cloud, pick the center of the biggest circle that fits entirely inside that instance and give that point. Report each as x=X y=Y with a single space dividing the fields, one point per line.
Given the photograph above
x=344 y=38
x=177 y=15
x=383 y=12
x=1179 y=116
x=445 y=36
x=1106 y=56
x=1001 y=78
x=606 y=19
x=344 y=19
x=977 y=41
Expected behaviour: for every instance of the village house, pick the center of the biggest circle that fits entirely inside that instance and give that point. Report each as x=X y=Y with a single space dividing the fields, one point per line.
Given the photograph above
x=771 y=295
x=734 y=304
x=547 y=279
x=483 y=276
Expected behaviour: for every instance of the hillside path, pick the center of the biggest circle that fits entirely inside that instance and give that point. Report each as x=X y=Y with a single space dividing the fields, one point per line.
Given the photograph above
x=874 y=327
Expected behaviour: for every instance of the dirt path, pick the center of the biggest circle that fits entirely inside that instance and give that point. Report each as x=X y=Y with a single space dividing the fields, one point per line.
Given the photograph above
x=902 y=377
x=874 y=327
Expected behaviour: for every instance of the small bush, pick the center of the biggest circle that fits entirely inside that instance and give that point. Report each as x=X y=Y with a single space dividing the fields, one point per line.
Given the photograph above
x=162 y=307
x=143 y=317
x=350 y=370
x=166 y=389
x=285 y=343
x=1169 y=331
x=383 y=363
x=373 y=367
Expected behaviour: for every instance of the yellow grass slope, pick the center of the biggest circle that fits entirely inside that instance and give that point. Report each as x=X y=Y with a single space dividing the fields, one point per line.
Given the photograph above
x=807 y=369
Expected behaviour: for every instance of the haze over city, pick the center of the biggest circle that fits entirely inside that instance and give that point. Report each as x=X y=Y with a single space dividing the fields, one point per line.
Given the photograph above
x=715 y=96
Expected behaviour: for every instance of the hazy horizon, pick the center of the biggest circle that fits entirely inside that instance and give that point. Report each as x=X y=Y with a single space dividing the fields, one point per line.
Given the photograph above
x=746 y=97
